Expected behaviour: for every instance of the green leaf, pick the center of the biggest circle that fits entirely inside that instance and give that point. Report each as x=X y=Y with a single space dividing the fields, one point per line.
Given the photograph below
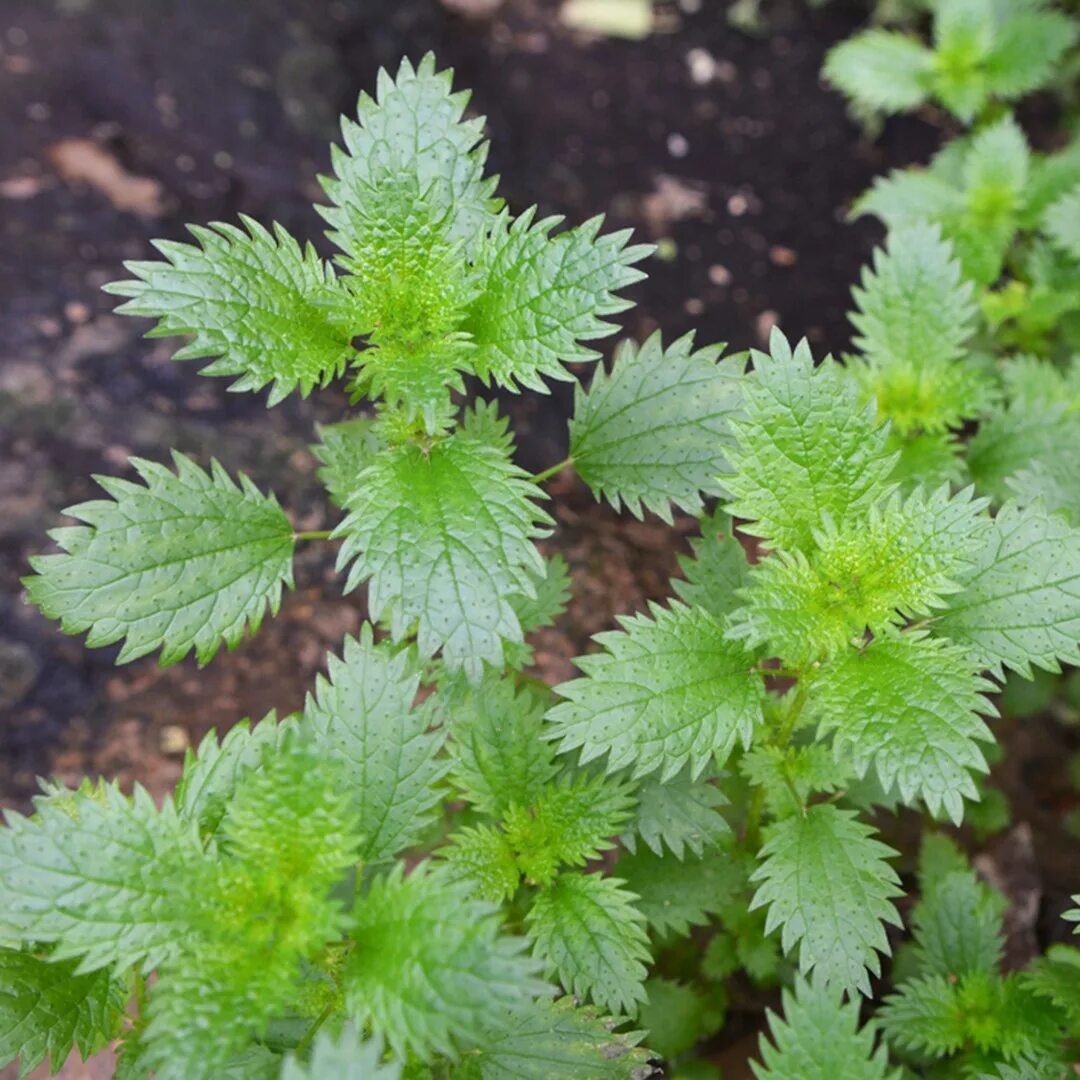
x=910 y=706
x=544 y=294
x=212 y=772
x=789 y=775
x=552 y=595
x=344 y=451
x=717 y=570
x=587 y=929
x=927 y=460
x=499 y=754
x=1073 y=915
x=345 y=1057
x=819 y=1038
x=957 y=927
x=101 y=876
x=444 y=536
x=675 y=895
x=829 y=887
x=900 y=561
x=914 y=315
x=677 y=1016
x=362 y=716
x=551 y=1040
x=882 y=71
x=680 y=813
x=1056 y=977
x=1061 y=223
x=922 y=1017
x=569 y=822
x=653 y=432
x=667 y=691
x=260 y=914
x=1029 y=43
x=184 y=562
x=806 y=449
x=1020 y=605
x=46 y=1008
x=261 y=307
x=483 y=858
x=430 y=968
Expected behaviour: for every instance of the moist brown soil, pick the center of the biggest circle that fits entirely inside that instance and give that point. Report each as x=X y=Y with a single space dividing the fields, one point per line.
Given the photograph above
x=120 y=121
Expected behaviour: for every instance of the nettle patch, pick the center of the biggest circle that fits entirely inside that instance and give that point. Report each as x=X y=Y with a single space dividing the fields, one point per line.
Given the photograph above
x=499 y=879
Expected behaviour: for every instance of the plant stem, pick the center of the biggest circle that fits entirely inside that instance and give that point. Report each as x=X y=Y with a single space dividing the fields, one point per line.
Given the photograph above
x=321 y=534
x=547 y=474
x=783 y=736
x=312 y=1031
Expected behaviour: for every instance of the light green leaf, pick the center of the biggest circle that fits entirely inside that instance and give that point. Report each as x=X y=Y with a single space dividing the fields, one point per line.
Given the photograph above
x=264 y=309
x=1061 y=223
x=362 y=716
x=1020 y=604
x=444 y=536
x=558 y=1040
x=829 y=887
x=344 y=1057
x=212 y=772
x=789 y=775
x=653 y=432
x=882 y=71
x=806 y=449
x=101 y=876
x=543 y=294
x=587 y=929
x=914 y=315
x=717 y=570
x=184 y=562
x=47 y=1008
x=910 y=706
x=667 y=691
x=1029 y=43
x=1073 y=914
x=552 y=595
x=482 y=858
x=499 y=754
x=430 y=970
x=680 y=813
x=819 y=1038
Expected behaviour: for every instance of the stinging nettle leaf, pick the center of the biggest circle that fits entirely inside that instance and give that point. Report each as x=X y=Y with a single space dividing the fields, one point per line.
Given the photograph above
x=829 y=888
x=47 y=1008
x=346 y=1057
x=679 y=813
x=819 y=1038
x=882 y=71
x=185 y=562
x=805 y=451
x=362 y=716
x=717 y=571
x=667 y=691
x=264 y=309
x=587 y=929
x=344 y=451
x=543 y=294
x=653 y=431
x=910 y=706
x=444 y=537
x=1020 y=604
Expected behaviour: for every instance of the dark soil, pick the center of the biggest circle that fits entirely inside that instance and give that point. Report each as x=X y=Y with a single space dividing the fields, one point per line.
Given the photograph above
x=122 y=120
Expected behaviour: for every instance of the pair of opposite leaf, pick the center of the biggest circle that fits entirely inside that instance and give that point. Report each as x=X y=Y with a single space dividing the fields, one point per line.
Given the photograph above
x=982 y=51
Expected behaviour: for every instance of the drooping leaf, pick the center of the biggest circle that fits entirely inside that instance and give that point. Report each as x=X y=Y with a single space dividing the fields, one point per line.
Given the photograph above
x=653 y=431
x=362 y=716
x=587 y=929
x=829 y=887
x=186 y=561
x=679 y=813
x=444 y=538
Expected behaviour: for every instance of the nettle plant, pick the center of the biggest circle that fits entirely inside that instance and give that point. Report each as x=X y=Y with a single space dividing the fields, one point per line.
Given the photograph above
x=983 y=52
x=444 y=867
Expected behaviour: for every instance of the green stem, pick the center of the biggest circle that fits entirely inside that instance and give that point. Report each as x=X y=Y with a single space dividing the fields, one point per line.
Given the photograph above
x=319 y=534
x=782 y=738
x=547 y=474
x=312 y=1031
